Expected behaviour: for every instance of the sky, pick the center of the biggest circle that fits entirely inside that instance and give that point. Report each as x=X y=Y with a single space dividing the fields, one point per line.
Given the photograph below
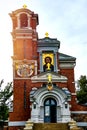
x=65 y=20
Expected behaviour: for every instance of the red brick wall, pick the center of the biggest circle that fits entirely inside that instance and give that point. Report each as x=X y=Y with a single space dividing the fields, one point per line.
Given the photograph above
x=69 y=73
x=20 y=112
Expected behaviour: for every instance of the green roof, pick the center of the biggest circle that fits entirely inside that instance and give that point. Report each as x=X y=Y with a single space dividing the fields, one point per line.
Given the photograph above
x=64 y=57
x=49 y=41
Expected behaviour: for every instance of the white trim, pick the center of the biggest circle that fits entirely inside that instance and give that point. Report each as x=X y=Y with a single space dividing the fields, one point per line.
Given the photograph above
x=21 y=78
x=81 y=123
x=22 y=13
x=22 y=37
x=18 y=18
x=34 y=39
x=22 y=123
x=16 y=123
x=79 y=112
x=74 y=94
x=43 y=78
x=67 y=65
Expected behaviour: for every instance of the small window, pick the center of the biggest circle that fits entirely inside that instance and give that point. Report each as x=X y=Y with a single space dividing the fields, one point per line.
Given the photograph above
x=23 y=20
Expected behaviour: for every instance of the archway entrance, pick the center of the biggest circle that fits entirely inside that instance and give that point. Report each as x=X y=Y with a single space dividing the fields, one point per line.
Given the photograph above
x=50 y=112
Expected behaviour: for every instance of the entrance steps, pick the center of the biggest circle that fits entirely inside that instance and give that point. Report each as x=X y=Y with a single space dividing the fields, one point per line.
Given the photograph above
x=50 y=126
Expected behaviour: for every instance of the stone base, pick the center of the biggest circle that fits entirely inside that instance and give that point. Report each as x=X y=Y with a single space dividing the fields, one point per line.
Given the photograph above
x=73 y=125
x=29 y=125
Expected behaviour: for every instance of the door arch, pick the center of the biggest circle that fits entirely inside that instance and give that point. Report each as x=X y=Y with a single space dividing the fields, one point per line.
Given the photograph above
x=50 y=110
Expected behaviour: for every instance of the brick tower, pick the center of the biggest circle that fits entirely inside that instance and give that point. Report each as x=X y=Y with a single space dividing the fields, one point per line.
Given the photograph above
x=24 y=62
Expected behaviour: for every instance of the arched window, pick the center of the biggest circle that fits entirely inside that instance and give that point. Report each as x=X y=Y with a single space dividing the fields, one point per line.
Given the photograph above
x=23 y=20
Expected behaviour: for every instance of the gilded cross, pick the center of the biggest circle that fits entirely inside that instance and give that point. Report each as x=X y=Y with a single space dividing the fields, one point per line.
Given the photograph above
x=25 y=6
x=46 y=34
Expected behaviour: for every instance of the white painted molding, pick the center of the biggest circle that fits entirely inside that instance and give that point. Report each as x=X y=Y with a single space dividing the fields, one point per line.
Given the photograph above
x=79 y=112
x=81 y=123
x=43 y=78
x=16 y=123
x=67 y=65
x=73 y=94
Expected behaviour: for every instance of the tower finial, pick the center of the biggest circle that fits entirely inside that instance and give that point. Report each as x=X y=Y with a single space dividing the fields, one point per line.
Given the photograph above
x=24 y=6
x=46 y=34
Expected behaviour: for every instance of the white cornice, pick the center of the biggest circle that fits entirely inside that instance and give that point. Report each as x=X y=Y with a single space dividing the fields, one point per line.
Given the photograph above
x=16 y=123
x=67 y=65
x=79 y=112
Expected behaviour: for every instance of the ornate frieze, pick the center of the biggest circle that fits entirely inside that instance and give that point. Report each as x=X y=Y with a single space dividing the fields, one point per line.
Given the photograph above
x=25 y=68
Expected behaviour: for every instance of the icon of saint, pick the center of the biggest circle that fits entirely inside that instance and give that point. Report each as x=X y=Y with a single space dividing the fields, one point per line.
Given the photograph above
x=48 y=66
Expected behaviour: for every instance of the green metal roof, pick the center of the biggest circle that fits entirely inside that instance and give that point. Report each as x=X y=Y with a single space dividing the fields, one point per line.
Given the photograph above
x=48 y=42
x=64 y=57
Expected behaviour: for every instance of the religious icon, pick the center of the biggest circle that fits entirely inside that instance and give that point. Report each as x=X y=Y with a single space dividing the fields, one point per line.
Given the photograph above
x=48 y=66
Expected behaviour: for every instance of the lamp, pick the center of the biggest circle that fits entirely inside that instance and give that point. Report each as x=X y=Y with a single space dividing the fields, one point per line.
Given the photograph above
x=66 y=105
x=34 y=105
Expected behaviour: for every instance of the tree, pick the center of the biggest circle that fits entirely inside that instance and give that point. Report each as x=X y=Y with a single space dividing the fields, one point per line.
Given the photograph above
x=82 y=93
x=5 y=95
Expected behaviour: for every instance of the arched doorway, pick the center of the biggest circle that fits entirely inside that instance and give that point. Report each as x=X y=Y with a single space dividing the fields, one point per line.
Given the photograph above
x=49 y=106
x=50 y=110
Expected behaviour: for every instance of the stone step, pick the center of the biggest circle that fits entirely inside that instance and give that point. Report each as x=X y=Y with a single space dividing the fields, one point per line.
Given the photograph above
x=50 y=126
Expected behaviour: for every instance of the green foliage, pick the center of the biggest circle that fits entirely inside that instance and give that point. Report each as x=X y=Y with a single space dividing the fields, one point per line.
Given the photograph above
x=3 y=112
x=82 y=93
x=5 y=95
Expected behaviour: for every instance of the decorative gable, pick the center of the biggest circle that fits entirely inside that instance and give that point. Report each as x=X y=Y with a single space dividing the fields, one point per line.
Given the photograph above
x=43 y=77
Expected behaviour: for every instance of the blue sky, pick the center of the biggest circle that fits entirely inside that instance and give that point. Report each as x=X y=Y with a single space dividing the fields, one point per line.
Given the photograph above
x=65 y=20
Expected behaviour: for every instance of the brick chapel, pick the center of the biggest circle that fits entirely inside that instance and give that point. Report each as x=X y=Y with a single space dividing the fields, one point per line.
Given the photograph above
x=43 y=78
